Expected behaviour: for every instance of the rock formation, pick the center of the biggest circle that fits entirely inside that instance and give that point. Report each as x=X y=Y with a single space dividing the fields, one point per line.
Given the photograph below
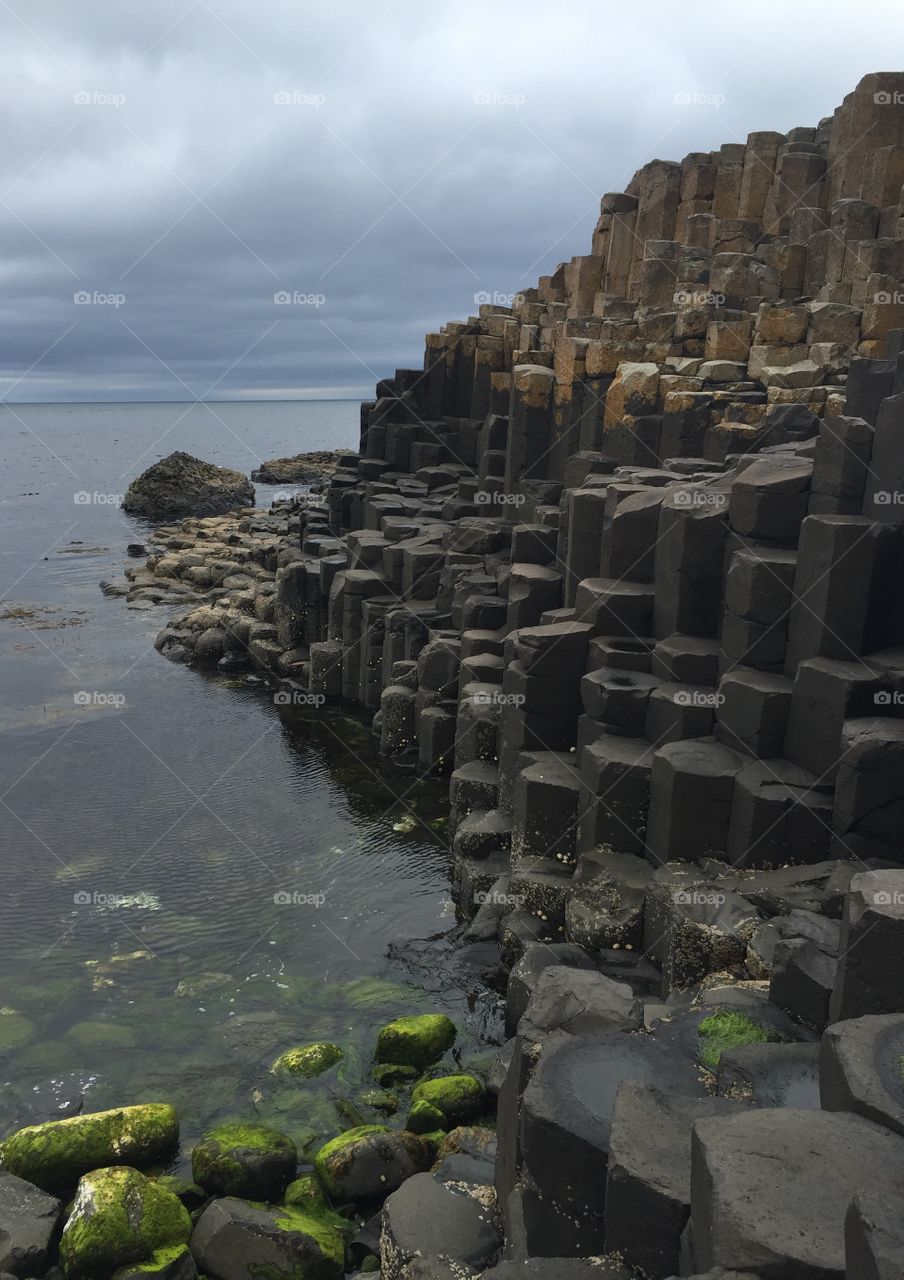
x=180 y=485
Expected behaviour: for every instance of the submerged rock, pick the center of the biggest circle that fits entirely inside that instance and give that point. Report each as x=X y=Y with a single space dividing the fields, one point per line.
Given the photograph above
x=180 y=485
x=309 y=1060
x=54 y=1155
x=118 y=1217
x=416 y=1041
x=244 y=1160
x=234 y=1240
x=370 y=1161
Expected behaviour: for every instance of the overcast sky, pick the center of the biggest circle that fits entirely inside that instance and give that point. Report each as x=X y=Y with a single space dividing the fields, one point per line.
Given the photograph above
x=232 y=199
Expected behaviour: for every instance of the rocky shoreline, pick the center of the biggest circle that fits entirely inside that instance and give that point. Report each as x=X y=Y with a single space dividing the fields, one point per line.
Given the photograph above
x=623 y=560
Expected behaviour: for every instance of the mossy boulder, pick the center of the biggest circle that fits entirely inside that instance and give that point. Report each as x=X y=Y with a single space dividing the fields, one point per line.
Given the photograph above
x=306 y=1193
x=416 y=1041
x=234 y=1238
x=101 y=1035
x=174 y=1262
x=370 y=1161
x=726 y=1030
x=246 y=1160
x=118 y=1217
x=424 y=1118
x=308 y=1060
x=191 y=1195
x=456 y=1099
x=380 y=1100
x=54 y=1155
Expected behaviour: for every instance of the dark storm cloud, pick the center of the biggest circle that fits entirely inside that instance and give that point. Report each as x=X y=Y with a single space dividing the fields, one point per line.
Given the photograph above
x=223 y=198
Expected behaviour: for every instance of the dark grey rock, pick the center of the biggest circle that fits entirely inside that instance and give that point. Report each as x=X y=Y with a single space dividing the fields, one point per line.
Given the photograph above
x=860 y=1065
x=29 y=1225
x=773 y=1075
x=525 y=974
x=234 y=1240
x=579 y=1002
x=180 y=485
x=874 y=1237
x=432 y=1218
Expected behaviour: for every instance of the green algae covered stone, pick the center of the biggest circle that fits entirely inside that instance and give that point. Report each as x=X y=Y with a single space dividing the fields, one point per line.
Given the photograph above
x=308 y=1060
x=726 y=1030
x=424 y=1118
x=370 y=1161
x=174 y=1262
x=55 y=1154
x=15 y=1030
x=305 y=1193
x=456 y=1099
x=245 y=1160
x=280 y=1242
x=393 y=1073
x=416 y=1041
x=119 y=1216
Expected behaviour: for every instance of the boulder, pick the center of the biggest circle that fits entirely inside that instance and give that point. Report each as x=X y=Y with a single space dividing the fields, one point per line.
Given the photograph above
x=237 y=1241
x=770 y=1188
x=860 y=1068
x=180 y=485
x=244 y=1160
x=308 y=1060
x=429 y=1218
x=173 y=1262
x=457 y=1099
x=119 y=1217
x=873 y=1237
x=416 y=1041
x=301 y=468
x=370 y=1161
x=29 y=1219
x=54 y=1155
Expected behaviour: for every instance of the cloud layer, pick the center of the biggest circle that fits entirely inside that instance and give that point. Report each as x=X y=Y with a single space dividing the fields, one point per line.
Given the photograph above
x=213 y=198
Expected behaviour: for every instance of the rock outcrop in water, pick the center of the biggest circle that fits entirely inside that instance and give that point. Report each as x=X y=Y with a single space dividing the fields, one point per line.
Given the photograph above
x=624 y=560
x=180 y=485
x=301 y=468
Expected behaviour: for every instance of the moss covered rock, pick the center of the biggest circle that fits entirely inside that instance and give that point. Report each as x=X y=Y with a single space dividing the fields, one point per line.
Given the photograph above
x=456 y=1099
x=370 y=1161
x=118 y=1217
x=308 y=1060
x=416 y=1041
x=726 y=1030
x=424 y=1118
x=234 y=1238
x=393 y=1073
x=174 y=1262
x=380 y=1100
x=247 y=1160
x=305 y=1193
x=54 y=1155
x=191 y=1195
x=15 y=1030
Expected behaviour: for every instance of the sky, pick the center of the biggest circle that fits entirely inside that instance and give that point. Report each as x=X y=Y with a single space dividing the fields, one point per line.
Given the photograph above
x=220 y=199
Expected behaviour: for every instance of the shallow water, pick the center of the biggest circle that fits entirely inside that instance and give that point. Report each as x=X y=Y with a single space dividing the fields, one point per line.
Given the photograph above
x=193 y=878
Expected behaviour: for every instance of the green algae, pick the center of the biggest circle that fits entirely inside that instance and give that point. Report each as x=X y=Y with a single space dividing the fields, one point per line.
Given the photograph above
x=119 y=1216
x=416 y=1041
x=308 y=1060
x=726 y=1030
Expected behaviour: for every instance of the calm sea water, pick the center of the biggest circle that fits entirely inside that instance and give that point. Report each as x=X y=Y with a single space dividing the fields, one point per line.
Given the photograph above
x=191 y=878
